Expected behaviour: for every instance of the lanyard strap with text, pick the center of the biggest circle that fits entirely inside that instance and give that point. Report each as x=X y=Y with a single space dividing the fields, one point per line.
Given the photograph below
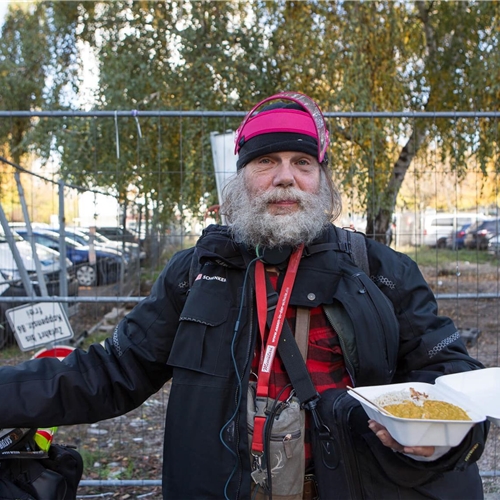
x=270 y=349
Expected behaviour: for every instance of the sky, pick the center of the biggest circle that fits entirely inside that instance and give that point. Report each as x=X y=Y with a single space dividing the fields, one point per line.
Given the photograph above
x=3 y=9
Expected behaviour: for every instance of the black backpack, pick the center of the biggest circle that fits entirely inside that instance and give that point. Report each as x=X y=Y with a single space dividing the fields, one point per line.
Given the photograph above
x=28 y=473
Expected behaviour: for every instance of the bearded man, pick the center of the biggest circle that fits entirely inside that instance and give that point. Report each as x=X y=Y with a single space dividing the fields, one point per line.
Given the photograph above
x=220 y=323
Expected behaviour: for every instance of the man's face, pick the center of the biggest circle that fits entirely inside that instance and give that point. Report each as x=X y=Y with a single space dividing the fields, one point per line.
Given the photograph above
x=278 y=199
x=283 y=173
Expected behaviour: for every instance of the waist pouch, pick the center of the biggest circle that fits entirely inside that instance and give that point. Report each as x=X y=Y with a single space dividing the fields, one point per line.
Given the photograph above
x=283 y=462
x=352 y=464
x=53 y=477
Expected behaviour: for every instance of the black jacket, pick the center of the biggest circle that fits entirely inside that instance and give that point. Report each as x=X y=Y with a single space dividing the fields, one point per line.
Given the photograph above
x=202 y=336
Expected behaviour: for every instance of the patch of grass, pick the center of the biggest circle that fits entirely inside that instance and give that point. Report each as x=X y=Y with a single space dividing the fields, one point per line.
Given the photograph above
x=9 y=352
x=94 y=338
x=151 y=273
x=130 y=471
x=426 y=256
x=13 y=352
x=89 y=458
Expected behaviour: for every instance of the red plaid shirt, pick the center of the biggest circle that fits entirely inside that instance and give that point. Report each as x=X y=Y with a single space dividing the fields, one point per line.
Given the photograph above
x=325 y=361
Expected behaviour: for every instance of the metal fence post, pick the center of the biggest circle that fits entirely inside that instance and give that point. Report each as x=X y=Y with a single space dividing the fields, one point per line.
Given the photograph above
x=63 y=285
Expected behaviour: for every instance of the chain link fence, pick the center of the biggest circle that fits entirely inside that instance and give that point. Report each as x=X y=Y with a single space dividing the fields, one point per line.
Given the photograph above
x=123 y=456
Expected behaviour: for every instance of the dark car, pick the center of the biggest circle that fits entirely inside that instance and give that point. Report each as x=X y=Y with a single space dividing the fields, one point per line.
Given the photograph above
x=129 y=250
x=479 y=234
x=11 y=284
x=455 y=241
x=108 y=266
x=117 y=233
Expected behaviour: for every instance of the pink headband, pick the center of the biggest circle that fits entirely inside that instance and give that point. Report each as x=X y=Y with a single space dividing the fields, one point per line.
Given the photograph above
x=280 y=120
x=312 y=125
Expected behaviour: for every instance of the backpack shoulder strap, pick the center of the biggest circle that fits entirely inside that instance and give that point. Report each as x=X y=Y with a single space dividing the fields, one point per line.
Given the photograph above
x=194 y=268
x=357 y=243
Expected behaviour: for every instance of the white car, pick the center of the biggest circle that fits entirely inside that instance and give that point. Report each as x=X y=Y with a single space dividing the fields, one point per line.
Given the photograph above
x=436 y=228
x=10 y=279
x=494 y=245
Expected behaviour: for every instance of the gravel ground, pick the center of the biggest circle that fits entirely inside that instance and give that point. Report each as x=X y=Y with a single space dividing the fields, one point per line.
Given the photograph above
x=482 y=316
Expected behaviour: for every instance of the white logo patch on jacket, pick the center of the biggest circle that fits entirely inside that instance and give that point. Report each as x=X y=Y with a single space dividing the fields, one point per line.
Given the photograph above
x=210 y=278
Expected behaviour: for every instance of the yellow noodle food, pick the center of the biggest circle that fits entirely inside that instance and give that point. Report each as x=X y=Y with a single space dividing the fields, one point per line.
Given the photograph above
x=429 y=410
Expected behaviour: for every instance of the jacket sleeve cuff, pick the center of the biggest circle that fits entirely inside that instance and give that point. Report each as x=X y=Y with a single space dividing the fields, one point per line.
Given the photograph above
x=439 y=451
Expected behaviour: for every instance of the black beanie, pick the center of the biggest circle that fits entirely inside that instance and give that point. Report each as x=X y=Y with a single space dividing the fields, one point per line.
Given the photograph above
x=272 y=143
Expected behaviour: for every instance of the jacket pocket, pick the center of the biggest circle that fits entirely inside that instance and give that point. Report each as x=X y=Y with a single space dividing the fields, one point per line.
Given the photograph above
x=368 y=330
x=202 y=342
x=382 y=313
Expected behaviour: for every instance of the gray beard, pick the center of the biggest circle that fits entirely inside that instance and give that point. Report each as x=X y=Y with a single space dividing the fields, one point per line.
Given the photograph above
x=252 y=224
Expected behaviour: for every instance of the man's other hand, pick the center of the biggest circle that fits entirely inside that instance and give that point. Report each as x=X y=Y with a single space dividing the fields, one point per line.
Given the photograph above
x=387 y=440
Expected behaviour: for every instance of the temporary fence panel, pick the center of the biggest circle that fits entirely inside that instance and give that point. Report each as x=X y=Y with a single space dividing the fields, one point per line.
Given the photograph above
x=126 y=452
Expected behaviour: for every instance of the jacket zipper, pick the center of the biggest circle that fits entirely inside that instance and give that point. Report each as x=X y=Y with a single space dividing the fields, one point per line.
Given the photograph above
x=280 y=437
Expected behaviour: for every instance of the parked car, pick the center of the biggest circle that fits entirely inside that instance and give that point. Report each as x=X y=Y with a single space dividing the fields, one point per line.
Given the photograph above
x=140 y=234
x=117 y=233
x=480 y=233
x=82 y=236
x=494 y=245
x=435 y=228
x=130 y=250
x=107 y=269
x=11 y=284
x=455 y=241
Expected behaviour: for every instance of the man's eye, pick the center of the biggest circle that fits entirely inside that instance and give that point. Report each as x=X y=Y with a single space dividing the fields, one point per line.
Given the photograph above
x=265 y=161
x=304 y=164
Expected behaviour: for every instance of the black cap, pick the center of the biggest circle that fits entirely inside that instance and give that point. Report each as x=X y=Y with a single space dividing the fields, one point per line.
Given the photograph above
x=272 y=143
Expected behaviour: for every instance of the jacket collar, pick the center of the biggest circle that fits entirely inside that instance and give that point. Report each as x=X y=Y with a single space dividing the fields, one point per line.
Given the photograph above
x=216 y=243
x=318 y=272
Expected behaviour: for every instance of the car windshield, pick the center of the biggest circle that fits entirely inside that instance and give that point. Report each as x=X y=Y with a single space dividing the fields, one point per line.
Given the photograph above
x=72 y=243
x=102 y=239
x=81 y=238
x=48 y=239
x=491 y=224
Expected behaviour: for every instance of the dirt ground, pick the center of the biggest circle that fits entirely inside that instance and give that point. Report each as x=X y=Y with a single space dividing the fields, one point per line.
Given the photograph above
x=477 y=317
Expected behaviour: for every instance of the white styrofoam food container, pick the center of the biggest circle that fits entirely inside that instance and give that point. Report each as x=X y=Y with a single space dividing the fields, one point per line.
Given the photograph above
x=480 y=386
x=420 y=432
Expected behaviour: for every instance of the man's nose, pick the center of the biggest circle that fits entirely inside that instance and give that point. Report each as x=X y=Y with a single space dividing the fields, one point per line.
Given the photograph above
x=284 y=175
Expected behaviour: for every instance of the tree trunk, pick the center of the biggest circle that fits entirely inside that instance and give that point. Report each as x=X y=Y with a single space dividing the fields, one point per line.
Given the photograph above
x=379 y=220
x=379 y=217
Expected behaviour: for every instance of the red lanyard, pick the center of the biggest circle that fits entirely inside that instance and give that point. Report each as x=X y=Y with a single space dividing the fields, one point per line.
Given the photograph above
x=269 y=349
